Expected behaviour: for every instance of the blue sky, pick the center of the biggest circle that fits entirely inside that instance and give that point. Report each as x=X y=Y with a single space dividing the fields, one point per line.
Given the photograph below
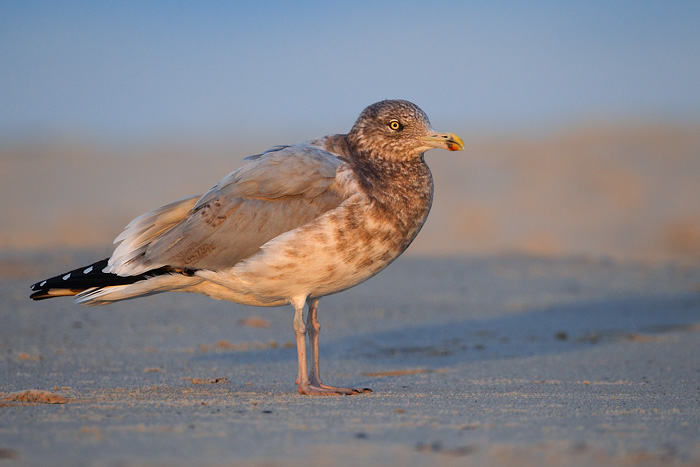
x=140 y=70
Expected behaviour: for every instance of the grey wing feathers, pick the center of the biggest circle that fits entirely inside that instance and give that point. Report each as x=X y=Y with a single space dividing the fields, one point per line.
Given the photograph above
x=278 y=191
x=296 y=170
x=140 y=232
x=272 y=149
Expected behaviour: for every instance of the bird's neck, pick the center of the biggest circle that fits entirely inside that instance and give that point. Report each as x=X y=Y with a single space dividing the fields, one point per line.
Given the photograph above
x=400 y=186
x=404 y=185
x=401 y=192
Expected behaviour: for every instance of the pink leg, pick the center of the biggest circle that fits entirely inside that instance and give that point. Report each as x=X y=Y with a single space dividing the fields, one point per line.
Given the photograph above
x=313 y=386
x=300 y=333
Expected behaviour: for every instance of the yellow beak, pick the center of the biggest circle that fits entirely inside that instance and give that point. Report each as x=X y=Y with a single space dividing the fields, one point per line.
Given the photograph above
x=448 y=141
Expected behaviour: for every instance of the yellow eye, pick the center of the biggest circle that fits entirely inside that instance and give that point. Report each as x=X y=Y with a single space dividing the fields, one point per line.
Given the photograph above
x=395 y=125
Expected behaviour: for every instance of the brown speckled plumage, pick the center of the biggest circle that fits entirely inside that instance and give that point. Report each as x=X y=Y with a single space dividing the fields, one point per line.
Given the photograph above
x=294 y=224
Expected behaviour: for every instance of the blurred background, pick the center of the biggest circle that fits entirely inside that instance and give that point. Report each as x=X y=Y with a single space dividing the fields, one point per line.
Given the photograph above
x=581 y=119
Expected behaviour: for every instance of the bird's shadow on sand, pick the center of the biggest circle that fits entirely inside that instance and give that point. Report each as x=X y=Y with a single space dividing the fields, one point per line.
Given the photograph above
x=558 y=329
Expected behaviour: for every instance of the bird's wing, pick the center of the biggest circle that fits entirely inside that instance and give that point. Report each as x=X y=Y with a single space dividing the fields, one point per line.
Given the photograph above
x=276 y=192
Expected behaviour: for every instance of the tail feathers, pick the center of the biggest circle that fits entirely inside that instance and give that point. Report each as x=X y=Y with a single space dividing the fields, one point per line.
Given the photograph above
x=90 y=277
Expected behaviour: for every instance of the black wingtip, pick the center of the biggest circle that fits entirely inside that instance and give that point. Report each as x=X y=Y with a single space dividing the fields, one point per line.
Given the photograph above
x=92 y=277
x=70 y=283
x=39 y=296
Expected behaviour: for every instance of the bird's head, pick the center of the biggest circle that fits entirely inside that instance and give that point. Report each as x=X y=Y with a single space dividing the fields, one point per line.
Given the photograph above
x=398 y=130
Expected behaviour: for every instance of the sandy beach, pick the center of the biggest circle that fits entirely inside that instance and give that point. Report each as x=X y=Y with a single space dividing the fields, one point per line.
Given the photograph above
x=548 y=314
x=510 y=360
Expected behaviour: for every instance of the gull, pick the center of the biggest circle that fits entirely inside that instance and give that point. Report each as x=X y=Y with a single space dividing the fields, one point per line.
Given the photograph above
x=292 y=225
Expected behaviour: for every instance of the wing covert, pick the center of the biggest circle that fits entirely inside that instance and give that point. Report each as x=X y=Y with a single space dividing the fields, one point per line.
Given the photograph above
x=276 y=192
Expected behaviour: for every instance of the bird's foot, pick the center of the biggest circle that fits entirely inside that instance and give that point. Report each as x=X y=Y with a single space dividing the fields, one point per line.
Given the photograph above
x=325 y=390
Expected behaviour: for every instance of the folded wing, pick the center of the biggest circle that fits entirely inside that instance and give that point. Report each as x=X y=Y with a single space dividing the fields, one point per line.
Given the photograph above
x=276 y=192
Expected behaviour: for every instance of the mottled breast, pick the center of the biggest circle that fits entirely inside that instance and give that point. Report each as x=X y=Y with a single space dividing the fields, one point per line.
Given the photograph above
x=348 y=244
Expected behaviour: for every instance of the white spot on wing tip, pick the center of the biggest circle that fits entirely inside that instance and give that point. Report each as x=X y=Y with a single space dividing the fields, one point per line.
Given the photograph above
x=66 y=277
x=43 y=283
x=88 y=270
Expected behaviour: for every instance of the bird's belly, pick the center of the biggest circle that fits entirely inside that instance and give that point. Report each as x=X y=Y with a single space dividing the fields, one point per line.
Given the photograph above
x=335 y=252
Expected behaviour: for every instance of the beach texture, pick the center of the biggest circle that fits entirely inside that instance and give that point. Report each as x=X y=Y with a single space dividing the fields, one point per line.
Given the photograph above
x=548 y=314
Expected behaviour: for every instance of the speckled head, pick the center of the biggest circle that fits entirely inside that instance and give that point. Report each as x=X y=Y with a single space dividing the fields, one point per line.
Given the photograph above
x=398 y=130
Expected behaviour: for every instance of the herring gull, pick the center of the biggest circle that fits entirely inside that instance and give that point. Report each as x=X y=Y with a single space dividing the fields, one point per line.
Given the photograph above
x=292 y=225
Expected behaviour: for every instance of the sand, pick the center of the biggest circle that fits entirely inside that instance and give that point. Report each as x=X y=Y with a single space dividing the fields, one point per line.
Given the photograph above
x=495 y=360
x=547 y=314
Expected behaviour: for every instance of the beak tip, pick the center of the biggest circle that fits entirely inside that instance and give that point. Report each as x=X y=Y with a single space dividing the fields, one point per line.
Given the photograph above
x=455 y=143
x=448 y=141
